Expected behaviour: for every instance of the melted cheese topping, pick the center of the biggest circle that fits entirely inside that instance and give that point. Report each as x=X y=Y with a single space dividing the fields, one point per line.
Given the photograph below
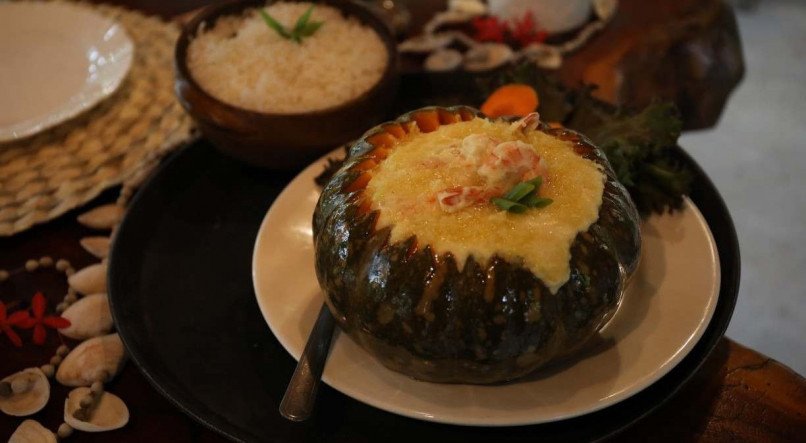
x=404 y=185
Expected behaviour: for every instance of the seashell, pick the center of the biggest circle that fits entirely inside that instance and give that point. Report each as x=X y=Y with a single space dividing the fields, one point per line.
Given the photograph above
x=443 y=60
x=473 y=7
x=605 y=9
x=545 y=56
x=487 y=56
x=97 y=246
x=109 y=413
x=89 y=280
x=102 y=217
x=89 y=317
x=31 y=431
x=464 y=39
x=30 y=393
x=449 y=17
x=426 y=43
x=582 y=37
x=99 y=358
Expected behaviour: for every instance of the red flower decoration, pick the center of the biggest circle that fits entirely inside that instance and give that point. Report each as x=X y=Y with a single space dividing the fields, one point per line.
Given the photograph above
x=17 y=319
x=489 y=29
x=523 y=31
x=526 y=30
x=39 y=321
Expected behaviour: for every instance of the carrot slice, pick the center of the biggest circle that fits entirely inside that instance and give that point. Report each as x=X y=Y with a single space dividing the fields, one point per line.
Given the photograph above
x=513 y=99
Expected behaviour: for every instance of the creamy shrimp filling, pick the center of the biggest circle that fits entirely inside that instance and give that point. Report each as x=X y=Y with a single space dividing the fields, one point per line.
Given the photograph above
x=497 y=165
x=437 y=187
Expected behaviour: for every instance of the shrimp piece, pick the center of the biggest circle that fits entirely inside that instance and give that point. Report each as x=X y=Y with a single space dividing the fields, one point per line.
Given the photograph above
x=445 y=157
x=475 y=147
x=459 y=197
x=529 y=122
x=510 y=162
x=499 y=166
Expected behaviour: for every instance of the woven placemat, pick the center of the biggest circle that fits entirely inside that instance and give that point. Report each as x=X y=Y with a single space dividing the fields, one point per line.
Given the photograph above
x=48 y=174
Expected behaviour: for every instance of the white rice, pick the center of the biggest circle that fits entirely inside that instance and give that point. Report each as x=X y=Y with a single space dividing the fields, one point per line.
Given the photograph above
x=244 y=63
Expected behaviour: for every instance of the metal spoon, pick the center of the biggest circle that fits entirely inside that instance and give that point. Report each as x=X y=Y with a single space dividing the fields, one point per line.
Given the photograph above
x=300 y=394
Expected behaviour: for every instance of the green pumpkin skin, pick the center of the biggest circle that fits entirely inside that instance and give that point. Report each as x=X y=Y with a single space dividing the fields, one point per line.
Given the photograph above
x=486 y=323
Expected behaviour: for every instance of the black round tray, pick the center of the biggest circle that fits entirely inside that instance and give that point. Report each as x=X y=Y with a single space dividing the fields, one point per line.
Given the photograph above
x=181 y=293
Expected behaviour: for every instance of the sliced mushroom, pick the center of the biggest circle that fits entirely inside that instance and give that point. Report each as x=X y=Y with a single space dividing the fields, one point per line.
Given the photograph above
x=31 y=431
x=97 y=246
x=462 y=38
x=102 y=217
x=545 y=56
x=90 y=280
x=28 y=392
x=107 y=414
x=89 y=317
x=426 y=43
x=487 y=56
x=99 y=358
x=443 y=60
x=605 y=9
x=582 y=37
x=449 y=17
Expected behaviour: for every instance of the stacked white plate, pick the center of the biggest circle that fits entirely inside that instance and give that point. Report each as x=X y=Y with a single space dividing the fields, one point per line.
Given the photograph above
x=58 y=59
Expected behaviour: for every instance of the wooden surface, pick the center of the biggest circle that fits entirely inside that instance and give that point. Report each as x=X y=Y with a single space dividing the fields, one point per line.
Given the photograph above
x=738 y=395
x=684 y=51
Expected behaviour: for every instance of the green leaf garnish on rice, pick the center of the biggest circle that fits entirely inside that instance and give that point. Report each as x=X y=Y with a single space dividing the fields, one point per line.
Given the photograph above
x=302 y=29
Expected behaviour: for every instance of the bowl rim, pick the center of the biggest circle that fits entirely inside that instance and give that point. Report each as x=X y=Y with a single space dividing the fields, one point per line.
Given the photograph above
x=348 y=8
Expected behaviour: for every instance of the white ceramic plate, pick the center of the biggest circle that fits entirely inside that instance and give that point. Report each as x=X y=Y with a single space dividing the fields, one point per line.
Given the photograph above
x=666 y=310
x=56 y=60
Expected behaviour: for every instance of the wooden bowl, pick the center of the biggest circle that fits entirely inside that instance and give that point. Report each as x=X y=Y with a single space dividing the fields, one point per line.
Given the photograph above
x=283 y=141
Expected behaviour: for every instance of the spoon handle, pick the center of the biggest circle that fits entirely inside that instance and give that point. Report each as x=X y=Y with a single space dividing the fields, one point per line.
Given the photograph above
x=300 y=394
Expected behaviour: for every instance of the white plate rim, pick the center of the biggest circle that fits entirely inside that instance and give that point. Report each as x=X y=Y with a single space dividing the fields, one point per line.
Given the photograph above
x=91 y=93
x=379 y=402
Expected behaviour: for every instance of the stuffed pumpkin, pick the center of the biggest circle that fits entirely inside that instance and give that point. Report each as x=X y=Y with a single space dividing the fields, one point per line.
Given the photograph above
x=461 y=249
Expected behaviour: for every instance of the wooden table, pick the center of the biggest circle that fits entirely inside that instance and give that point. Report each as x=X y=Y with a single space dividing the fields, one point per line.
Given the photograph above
x=684 y=51
x=739 y=394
